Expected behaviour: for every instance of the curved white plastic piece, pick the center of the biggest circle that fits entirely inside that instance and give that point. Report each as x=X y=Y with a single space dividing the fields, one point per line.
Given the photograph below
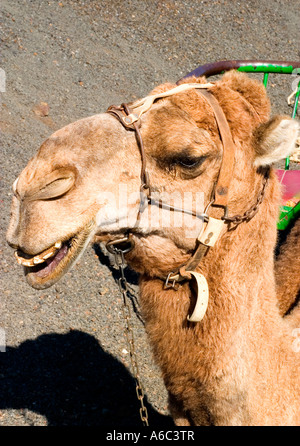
x=202 y=297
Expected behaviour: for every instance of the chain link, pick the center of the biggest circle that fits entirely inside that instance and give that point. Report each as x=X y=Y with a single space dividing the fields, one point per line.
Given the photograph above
x=238 y=219
x=123 y=287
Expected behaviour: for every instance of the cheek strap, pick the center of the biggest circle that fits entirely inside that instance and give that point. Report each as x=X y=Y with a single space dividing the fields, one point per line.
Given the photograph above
x=221 y=188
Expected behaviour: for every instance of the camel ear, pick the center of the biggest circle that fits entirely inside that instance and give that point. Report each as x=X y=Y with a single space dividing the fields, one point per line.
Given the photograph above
x=275 y=140
x=250 y=89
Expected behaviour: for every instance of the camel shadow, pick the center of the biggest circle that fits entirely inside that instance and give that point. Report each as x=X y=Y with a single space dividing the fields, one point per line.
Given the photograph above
x=72 y=381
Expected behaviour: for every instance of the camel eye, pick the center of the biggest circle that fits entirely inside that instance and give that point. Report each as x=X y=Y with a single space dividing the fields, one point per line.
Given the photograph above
x=55 y=189
x=53 y=186
x=190 y=162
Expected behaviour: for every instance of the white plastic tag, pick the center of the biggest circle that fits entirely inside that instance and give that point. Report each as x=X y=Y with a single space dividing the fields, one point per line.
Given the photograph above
x=202 y=297
x=212 y=231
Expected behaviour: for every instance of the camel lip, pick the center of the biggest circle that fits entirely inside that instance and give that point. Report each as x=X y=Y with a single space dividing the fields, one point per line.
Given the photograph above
x=45 y=274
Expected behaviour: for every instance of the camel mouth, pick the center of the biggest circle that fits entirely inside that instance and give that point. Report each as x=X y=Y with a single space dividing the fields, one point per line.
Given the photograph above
x=47 y=267
x=45 y=256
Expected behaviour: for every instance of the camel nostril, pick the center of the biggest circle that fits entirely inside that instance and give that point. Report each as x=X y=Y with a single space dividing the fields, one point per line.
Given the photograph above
x=12 y=245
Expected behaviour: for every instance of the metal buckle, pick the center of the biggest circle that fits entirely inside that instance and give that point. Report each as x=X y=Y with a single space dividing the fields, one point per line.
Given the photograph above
x=119 y=245
x=212 y=203
x=174 y=284
x=130 y=119
x=225 y=213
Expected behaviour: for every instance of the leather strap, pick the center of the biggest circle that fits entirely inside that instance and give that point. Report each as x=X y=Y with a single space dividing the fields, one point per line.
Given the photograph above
x=225 y=173
x=207 y=238
x=122 y=113
x=221 y=188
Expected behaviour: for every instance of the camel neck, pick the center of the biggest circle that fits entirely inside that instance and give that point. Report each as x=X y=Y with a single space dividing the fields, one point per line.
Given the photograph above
x=242 y=316
x=218 y=347
x=238 y=269
x=237 y=272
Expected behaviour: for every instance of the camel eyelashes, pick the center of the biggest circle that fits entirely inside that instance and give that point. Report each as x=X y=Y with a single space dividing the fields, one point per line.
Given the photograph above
x=55 y=189
x=56 y=185
x=187 y=165
x=189 y=162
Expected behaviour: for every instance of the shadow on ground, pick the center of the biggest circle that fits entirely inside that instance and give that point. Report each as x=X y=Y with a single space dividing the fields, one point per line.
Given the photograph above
x=71 y=380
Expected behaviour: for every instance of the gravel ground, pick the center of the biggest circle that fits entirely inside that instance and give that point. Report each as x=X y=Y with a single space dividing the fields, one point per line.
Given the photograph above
x=66 y=359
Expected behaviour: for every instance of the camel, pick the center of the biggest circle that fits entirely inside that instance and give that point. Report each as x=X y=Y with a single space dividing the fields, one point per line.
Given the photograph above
x=237 y=363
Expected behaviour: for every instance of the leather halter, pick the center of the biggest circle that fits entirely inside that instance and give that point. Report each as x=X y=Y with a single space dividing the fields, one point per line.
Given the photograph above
x=129 y=116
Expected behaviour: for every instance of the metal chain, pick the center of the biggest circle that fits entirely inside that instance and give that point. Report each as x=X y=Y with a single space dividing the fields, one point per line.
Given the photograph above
x=123 y=286
x=238 y=219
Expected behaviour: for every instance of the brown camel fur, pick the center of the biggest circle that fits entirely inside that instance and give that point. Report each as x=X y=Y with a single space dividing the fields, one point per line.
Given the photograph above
x=240 y=364
x=287 y=270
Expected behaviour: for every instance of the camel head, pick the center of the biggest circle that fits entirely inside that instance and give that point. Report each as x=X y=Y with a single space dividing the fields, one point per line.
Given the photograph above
x=85 y=179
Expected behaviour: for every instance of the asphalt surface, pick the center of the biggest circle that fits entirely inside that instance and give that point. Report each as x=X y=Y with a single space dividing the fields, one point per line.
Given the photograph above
x=66 y=360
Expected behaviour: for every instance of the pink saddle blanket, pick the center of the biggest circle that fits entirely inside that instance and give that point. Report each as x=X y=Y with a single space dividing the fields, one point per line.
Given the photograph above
x=290 y=180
